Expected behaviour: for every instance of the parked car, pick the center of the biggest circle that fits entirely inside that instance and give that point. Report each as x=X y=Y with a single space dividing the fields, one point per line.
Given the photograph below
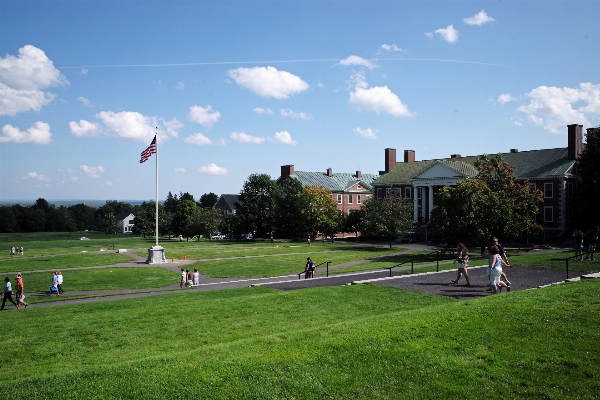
x=217 y=236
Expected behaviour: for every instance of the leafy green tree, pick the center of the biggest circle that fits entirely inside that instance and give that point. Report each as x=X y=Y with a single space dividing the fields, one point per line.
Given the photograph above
x=318 y=210
x=230 y=225
x=389 y=217
x=259 y=197
x=182 y=219
x=83 y=216
x=288 y=216
x=354 y=222
x=588 y=192
x=144 y=222
x=493 y=204
x=205 y=222
x=165 y=221
x=8 y=220
x=208 y=200
x=171 y=203
x=110 y=224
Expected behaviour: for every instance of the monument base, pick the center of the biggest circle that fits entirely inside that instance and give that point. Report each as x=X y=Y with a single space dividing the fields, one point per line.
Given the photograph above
x=156 y=255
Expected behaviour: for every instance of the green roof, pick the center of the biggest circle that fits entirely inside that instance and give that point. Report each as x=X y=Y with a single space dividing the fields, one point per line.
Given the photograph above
x=337 y=182
x=533 y=164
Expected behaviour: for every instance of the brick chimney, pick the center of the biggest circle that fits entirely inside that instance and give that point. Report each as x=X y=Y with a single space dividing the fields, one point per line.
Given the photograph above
x=575 y=140
x=329 y=172
x=390 y=159
x=286 y=171
x=409 y=156
x=454 y=155
x=358 y=174
x=514 y=150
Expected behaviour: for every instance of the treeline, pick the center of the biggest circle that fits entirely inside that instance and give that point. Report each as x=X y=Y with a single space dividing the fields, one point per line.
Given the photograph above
x=45 y=217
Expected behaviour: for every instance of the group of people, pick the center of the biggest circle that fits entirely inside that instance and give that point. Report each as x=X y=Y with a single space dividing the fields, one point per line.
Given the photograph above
x=57 y=281
x=8 y=292
x=16 y=251
x=189 y=278
x=592 y=242
x=497 y=260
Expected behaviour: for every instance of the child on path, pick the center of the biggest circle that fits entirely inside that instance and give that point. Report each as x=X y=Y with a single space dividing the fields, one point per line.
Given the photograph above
x=183 y=278
x=196 y=277
x=20 y=291
x=59 y=282
x=7 y=293
x=462 y=256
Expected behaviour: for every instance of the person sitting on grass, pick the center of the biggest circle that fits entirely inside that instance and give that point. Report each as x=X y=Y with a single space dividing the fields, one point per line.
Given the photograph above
x=462 y=256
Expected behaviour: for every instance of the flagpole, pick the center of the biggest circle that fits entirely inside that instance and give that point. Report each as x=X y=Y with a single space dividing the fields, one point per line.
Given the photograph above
x=156 y=221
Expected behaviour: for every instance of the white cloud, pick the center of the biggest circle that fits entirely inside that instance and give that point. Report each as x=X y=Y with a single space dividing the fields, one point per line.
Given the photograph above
x=84 y=71
x=212 y=169
x=449 y=34
x=204 y=115
x=172 y=126
x=243 y=137
x=366 y=133
x=23 y=80
x=284 y=137
x=505 y=98
x=293 y=114
x=429 y=34
x=478 y=19
x=197 y=138
x=356 y=60
x=377 y=98
x=92 y=172
x=35 y=175
x=391 y=48
x=552 y=107
x=182 y=170
x=84 y=128
x=129 y=125
x=85 y=101
x=268 y=82
x=259 y=110
x=108 y=183
x=180 y=85
x=39 y=133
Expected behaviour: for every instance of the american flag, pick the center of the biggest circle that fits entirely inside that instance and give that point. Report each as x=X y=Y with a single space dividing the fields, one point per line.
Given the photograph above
x=149 y=151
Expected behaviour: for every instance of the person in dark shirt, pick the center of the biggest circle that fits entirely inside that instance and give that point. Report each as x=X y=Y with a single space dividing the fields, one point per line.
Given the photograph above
x=578 y=235
x=593 y=243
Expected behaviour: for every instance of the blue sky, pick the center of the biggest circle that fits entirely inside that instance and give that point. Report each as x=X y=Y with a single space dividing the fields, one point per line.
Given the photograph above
x=242 y=87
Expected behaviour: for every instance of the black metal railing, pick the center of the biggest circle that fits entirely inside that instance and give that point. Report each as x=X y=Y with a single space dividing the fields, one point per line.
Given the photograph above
x=416 y=258
x=566 y=260
x=316 y=265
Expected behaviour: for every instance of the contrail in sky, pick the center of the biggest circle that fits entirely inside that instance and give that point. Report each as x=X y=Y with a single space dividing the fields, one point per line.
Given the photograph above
x=273 y=62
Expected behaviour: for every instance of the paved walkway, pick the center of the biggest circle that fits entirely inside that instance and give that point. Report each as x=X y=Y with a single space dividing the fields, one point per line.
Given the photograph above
x=434 y=283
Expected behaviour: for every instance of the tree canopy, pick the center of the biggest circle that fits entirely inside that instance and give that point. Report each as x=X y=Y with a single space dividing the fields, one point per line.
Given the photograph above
x=588 y=193
x=258 y=198
x=389 y=217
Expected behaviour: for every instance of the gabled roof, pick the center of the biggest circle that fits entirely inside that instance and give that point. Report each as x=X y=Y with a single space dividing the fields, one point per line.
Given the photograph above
x=230 y=200
x=533 y=164
x=460 y=168
x=123 y=215
x=337 y=182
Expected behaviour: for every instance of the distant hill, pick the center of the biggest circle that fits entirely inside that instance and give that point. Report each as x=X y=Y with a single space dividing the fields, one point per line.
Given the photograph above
x=69 y=203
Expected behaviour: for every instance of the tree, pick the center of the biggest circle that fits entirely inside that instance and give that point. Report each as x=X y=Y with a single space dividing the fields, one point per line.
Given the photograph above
x=171 y=203
x=318 y=210
x=145 y=219
x=230 y=225
x=288 y=222
x=389 y=217
x=208 y=200
x=588 y=193
x=182 y=219
x=492 y=204
x=205 y=222
x=8 y=220
x=259 y=197
x=354 y=222
x=110 y=226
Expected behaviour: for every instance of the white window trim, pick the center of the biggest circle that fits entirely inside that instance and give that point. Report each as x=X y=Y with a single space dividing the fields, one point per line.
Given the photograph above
x=358 y=199
x=349 y=199
x=340 y=198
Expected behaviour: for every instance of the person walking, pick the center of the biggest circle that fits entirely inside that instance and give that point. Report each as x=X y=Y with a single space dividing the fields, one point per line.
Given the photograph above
x=578 y=235
x=20 y=291
x=59 y=282
x=183 y=278
x=196 y=277
x=309 y=270
x=54 y=284
x=593 y=243
x=7 y=293
x=496 y=264
x=462 y=257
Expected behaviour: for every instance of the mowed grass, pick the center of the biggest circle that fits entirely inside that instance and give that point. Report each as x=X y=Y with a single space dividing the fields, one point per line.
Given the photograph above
x=102 y=279
x=284 y=264
x=351 y=342
x=60 y=262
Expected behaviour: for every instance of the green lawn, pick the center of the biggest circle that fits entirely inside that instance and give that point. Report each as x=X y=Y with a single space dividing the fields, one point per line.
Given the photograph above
x=54 y=263
x=351 y=342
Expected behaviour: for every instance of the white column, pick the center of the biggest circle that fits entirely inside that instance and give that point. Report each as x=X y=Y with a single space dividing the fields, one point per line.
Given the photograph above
x=423 y=208
x=415 y=204
x=430 y=202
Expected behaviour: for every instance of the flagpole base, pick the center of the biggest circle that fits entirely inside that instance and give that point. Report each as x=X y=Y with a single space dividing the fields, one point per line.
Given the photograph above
x=156 y=255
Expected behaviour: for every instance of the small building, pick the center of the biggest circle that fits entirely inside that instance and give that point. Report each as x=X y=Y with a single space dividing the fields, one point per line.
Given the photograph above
x=125 y=222
x=347 y=189
x=226 y=203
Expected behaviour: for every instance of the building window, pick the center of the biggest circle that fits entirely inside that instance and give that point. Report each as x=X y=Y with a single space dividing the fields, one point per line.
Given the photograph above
x=570 y=214
x=349 y=199
x=548 y=214
x=570 y=189
x=130 y=222
x=407 y=191
x=358 y=199
x=379 y=193
x=398 y=192
x=339 y=199
x=548 y=190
